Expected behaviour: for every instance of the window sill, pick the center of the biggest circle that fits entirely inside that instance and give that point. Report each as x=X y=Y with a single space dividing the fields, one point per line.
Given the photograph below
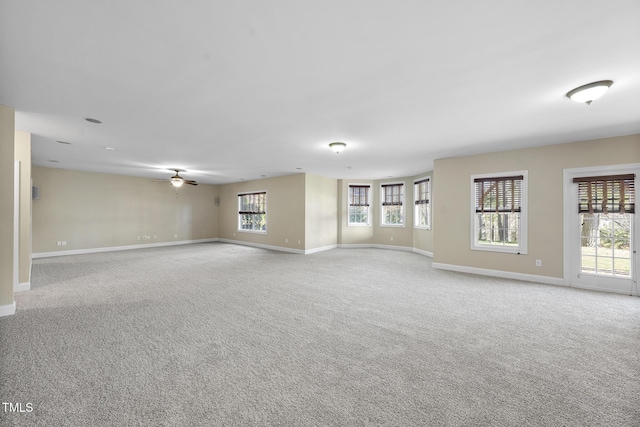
x=253 y=231
x=499 y=249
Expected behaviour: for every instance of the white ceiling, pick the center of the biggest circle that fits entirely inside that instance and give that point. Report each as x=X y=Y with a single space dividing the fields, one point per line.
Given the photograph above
x=232 y=90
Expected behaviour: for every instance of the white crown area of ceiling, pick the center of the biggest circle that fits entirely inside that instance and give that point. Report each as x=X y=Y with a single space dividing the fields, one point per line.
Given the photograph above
x=231 y=91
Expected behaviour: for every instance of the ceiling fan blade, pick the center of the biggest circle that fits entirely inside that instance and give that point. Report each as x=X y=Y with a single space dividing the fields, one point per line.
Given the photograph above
x=186 y=181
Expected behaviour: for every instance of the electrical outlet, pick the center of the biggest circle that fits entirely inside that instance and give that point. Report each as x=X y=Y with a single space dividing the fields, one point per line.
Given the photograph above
x=59 y=243
x=64 y=243
x=391 y=238
x=286 y=240
x=538 y=263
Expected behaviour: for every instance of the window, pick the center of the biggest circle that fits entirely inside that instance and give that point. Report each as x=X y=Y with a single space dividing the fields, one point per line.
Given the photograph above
x=252 y=212
x=422 y=195
x=392 y=196
x=359 y=206
x=499 y=212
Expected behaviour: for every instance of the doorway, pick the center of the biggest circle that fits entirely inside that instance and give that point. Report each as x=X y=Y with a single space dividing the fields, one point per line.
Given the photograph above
x=600 y=227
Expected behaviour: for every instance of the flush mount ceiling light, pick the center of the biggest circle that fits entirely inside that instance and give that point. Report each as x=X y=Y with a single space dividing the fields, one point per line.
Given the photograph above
x=337 y=146
x=589 y=92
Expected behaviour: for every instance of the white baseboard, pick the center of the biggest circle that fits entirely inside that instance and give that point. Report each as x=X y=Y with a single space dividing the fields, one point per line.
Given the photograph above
x=8 y=310
x=375 y=246
x=423 y=252
x=262 y=246
x=390 y=247
x=394 y=248
x=321 y=249
x=119 y=248
x=22 y=287
x=355 y=245
x=280 y=248
x=499 y=273
x=631 y=292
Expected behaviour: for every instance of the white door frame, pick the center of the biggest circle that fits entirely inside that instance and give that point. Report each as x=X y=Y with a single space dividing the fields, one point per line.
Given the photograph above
x=16 y=225
x=571 y=245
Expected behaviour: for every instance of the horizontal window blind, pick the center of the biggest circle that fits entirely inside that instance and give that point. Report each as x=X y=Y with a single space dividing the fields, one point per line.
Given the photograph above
x=606 y=194
x=422 y=192
x=359 y=195
x=253 y=203
x=393 y=194
x=499 y=194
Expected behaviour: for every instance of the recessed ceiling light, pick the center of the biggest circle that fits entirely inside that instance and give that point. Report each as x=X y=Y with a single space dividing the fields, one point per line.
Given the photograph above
x=589 y=92
x=109 y=148
x=90 y=120
x=63 y=142
x=54 y=161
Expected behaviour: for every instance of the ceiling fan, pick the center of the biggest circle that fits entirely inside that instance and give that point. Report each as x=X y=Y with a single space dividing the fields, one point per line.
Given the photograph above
x=177 y=181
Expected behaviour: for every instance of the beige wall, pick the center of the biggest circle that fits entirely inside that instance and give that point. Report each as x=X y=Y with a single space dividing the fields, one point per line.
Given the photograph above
x=23 y=155
x=321 y=212
x=285 y=212
x=393 y=236
x=92 y=210
x=7 y=150
x=545 y=183
x=376 y=234
x=305 y=212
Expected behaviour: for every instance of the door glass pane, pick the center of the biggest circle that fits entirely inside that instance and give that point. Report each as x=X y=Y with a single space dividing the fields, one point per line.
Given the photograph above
x=604 y=265
x=605 y=244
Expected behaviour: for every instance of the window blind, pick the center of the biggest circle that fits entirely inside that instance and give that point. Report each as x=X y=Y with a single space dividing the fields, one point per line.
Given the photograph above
x=392 y=194
x=606 y=194
x=499 y=194
x=422 y=195
x=359 y=195
x=253 y=203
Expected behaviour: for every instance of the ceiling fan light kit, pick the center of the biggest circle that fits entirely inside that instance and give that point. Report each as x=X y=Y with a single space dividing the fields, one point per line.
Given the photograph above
x=177 y=181
x=589 y=92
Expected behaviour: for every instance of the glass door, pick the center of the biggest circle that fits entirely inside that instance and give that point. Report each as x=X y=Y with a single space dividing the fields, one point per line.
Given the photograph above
x=606 y=252
x=600 y=225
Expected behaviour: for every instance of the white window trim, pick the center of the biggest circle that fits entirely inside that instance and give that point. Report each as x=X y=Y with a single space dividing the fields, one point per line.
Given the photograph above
x=266 y=209
x=404 y=204
x=370 y=210
x=521 y=249
x=415 y=210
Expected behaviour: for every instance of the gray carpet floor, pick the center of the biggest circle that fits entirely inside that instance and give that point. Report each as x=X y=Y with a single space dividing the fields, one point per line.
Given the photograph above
x=225 y=335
